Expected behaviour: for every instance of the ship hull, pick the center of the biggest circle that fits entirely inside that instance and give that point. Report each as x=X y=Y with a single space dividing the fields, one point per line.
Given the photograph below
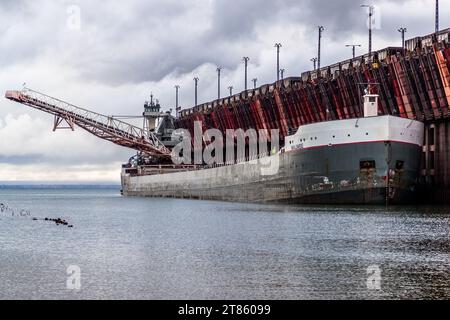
x=375 y=173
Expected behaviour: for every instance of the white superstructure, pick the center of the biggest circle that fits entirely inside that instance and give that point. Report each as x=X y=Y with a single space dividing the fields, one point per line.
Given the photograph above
x=372 y=128
x=364 y=130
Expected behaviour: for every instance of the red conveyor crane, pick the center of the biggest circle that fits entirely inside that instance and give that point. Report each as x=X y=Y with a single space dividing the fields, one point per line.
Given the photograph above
x=104 y=127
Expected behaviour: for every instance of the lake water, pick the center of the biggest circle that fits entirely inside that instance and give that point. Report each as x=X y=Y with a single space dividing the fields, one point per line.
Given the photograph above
x=135 y=248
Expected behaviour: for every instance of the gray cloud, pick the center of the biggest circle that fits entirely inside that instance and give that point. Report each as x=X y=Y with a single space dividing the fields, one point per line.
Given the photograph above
x=146 y=40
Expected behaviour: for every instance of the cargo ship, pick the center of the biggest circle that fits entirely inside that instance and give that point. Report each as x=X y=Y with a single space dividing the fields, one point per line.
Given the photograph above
x=369 y=160
x=335 y=149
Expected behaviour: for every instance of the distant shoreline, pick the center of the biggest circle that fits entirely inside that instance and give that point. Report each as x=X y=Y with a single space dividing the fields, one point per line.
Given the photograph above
x=59 y=186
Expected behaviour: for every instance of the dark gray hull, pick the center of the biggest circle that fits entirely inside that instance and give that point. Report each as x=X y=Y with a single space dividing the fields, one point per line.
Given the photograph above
x=375 y=173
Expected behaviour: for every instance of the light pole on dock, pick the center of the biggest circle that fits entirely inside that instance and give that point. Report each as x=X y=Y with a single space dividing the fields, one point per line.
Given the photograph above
x=437 y=16
x=219 y=69
x=196 y=80
x=314 y=61
x=278 y=46
x=231 y=90
x=371 y=10
x=403 y=31
x=246 y=60
x=353 y=46
x=321 y=29
x=177 y=89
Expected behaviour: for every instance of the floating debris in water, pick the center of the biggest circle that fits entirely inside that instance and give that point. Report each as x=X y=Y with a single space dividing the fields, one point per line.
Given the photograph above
x=27 y=213
x=59 y=221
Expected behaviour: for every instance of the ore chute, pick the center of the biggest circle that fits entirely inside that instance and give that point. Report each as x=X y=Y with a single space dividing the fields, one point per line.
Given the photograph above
x=143 y=140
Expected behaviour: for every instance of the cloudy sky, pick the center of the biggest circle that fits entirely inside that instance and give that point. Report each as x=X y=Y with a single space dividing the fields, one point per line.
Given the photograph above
x=109 y=55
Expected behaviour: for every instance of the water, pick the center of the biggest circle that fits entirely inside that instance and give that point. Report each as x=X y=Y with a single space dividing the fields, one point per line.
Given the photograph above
x=131 y=248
